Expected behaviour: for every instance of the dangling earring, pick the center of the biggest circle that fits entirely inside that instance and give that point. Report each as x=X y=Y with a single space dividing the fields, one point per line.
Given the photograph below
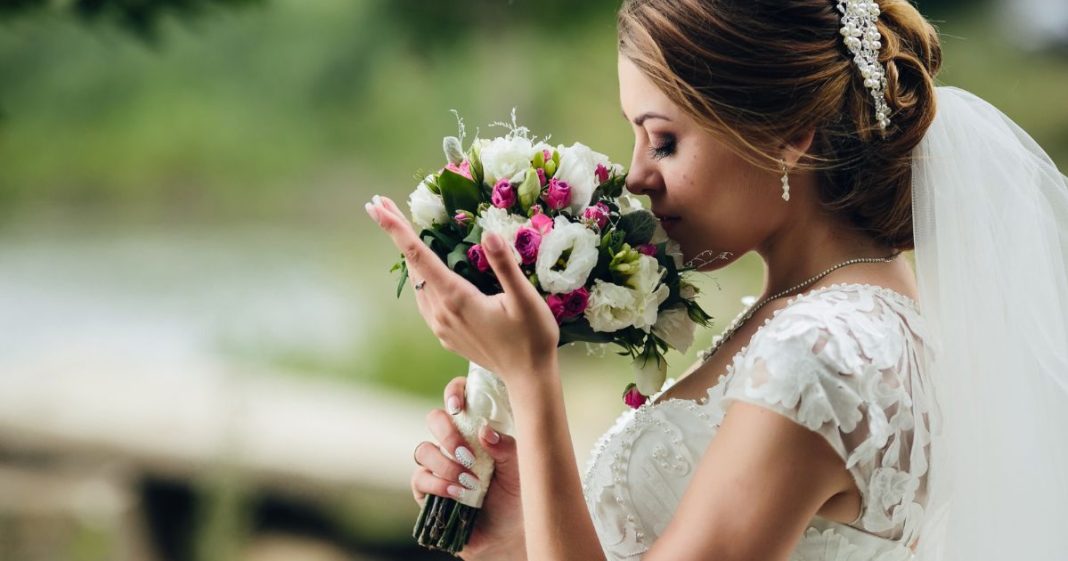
x=785 y=181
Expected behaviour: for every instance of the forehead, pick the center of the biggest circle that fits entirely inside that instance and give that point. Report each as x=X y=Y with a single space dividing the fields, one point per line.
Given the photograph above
x=638 y=94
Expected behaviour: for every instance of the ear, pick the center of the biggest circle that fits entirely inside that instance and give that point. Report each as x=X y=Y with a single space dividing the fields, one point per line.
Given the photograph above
x=798 y=147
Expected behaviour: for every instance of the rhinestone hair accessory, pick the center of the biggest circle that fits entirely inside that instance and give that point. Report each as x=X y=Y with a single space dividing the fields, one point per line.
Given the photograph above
x=862 y=38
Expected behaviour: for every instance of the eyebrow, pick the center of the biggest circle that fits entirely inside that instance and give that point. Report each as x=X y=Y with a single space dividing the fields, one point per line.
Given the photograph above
x=647 y=115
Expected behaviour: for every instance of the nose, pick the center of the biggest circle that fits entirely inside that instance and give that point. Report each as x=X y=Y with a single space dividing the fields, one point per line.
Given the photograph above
x=643 y=177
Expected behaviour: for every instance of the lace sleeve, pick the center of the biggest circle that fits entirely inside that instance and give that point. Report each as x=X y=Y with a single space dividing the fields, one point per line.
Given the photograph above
x=841 y=371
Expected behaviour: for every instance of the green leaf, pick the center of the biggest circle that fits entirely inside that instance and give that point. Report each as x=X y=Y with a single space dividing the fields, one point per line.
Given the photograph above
x=403 y=266
x=581 y=331
x=475 y=236
x=457 y=255
x=458 y=192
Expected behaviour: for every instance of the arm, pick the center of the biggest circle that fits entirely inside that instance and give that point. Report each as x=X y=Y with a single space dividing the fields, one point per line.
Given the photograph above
x=756 y=488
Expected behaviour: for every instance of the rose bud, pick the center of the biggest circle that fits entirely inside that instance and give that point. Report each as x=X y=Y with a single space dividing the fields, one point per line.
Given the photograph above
x=647 y=249
x=632 y=397
x=477 y=257
x=527 y=242
x=602 y=173
x=596 y=214
x=503 y=194
x=558 y=195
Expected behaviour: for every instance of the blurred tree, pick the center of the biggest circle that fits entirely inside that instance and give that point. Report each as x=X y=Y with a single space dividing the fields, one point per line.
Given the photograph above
x=140 y=17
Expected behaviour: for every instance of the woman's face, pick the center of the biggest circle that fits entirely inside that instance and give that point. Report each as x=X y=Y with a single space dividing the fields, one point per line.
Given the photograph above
x=708 y=197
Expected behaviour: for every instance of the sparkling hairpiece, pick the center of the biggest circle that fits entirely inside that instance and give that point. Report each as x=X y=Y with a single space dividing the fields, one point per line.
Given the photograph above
x=859 y=18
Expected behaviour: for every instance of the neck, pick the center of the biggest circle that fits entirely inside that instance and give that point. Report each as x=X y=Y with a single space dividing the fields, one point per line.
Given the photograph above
x=808 y=245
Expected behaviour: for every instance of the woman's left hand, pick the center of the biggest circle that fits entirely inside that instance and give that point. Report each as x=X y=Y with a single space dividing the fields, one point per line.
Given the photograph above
x=510 y=334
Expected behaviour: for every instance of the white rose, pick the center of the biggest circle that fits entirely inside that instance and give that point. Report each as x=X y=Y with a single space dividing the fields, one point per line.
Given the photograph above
x=578 y=167
x=505 y=157
x=649 y=374
x=426 y=207
x=566 y=235
x=611 y=307
x=675 y=328
x=502 y=223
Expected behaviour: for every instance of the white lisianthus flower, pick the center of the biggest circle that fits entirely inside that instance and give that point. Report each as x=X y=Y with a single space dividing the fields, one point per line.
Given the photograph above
x=505 y=157
x=611 y=307
x=502 y=223
x=648 y=275
x=566 y=235
x=650 y=373
x=650 y=303
x=675 y=328
x=426 y=207
x=578 y=167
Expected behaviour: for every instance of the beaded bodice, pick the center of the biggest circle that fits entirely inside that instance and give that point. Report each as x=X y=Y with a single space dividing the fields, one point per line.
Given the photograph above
x=844 y=361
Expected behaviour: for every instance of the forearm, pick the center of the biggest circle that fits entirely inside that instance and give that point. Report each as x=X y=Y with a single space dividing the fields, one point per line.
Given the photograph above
x=557 y=523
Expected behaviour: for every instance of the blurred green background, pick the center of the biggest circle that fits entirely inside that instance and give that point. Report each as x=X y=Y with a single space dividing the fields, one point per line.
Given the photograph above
x=181 y=185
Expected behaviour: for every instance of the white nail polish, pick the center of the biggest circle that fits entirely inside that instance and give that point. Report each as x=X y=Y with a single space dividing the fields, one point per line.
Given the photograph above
x=465 y=457
x=453 y=405
x=376 y=199
x=456 y=492
x=468 y=480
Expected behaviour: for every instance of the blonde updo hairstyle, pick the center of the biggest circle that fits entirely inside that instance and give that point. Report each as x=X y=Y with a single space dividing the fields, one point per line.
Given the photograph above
x=758 y=73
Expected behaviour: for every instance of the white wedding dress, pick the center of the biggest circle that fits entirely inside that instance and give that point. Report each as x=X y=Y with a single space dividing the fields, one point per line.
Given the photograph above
x=846 y=361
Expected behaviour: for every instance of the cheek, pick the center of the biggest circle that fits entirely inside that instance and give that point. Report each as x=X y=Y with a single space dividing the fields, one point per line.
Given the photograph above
x=723 y=205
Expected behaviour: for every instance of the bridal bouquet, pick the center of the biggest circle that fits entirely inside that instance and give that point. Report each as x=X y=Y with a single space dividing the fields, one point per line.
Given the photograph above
x=603 y=264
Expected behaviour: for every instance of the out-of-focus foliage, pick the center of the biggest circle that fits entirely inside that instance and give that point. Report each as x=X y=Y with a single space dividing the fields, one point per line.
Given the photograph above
x=141 y=17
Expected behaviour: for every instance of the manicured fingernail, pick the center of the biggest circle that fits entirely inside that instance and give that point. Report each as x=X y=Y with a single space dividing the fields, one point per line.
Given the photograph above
x=492 y=242
x=468 y=480
x=376 y=200
x=371 y=211
x=465 y=457
x=456 y=492
x=491 y=436
x=453 y=405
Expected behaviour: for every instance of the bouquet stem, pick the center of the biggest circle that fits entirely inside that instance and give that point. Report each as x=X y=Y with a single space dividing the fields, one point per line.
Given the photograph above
x=445 y=523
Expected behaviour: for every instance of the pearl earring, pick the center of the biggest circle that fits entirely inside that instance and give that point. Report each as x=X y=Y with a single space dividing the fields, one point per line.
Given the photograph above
x=785 y=181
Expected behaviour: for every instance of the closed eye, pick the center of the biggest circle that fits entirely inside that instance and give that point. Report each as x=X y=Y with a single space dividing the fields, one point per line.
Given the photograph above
x=664 y=149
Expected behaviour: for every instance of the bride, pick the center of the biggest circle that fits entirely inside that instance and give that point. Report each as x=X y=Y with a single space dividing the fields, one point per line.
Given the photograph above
x=857 y=410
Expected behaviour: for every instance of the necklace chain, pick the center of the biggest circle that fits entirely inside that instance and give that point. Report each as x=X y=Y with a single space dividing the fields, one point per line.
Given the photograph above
x=744 y=317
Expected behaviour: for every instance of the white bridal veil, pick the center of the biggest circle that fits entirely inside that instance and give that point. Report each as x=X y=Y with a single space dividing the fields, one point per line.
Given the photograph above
x=990 y=214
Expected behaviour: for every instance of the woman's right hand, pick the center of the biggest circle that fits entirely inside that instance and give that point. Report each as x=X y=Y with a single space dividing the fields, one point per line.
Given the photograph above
x=498 y=532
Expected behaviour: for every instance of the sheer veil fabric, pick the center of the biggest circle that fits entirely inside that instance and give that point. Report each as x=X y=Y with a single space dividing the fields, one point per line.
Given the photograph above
x=990 y=213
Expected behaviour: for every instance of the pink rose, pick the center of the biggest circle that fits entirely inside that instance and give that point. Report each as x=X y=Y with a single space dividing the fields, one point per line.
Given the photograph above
x=602 y=173
x=597 y=214
x=558 y=195
x=543 y=223
x=570 y=305
x=647 y=249
x=503 y=194
x=477 y=256
x=463 y=169
x=527 y=242
x=634 y=398
x=541 y=176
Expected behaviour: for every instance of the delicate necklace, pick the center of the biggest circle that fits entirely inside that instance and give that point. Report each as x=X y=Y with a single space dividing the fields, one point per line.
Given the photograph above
x=718 y=341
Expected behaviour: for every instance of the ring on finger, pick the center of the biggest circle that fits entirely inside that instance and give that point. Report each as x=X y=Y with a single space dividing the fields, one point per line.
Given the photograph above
x=415 y=453
x=419 y=285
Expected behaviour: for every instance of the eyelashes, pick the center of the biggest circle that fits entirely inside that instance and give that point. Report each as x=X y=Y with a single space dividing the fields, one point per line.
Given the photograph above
x=664 y=149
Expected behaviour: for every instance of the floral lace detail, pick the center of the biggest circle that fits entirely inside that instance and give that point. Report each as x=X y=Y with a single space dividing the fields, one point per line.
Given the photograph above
x=847 y=364
x=639 y=469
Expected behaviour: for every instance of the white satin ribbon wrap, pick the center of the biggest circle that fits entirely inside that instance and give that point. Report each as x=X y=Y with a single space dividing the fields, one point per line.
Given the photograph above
x=990 y=214
x=485 y=397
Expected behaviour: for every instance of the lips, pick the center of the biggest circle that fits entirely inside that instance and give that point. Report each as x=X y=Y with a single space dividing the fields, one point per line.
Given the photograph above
x=667 y=221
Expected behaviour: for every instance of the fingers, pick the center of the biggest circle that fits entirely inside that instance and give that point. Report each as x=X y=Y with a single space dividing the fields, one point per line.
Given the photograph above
x=507 y=270
x=425 y=483
x=443 y=467
x=500 y=447
x=440 y=424
x=423 y=264
x=454 y=395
